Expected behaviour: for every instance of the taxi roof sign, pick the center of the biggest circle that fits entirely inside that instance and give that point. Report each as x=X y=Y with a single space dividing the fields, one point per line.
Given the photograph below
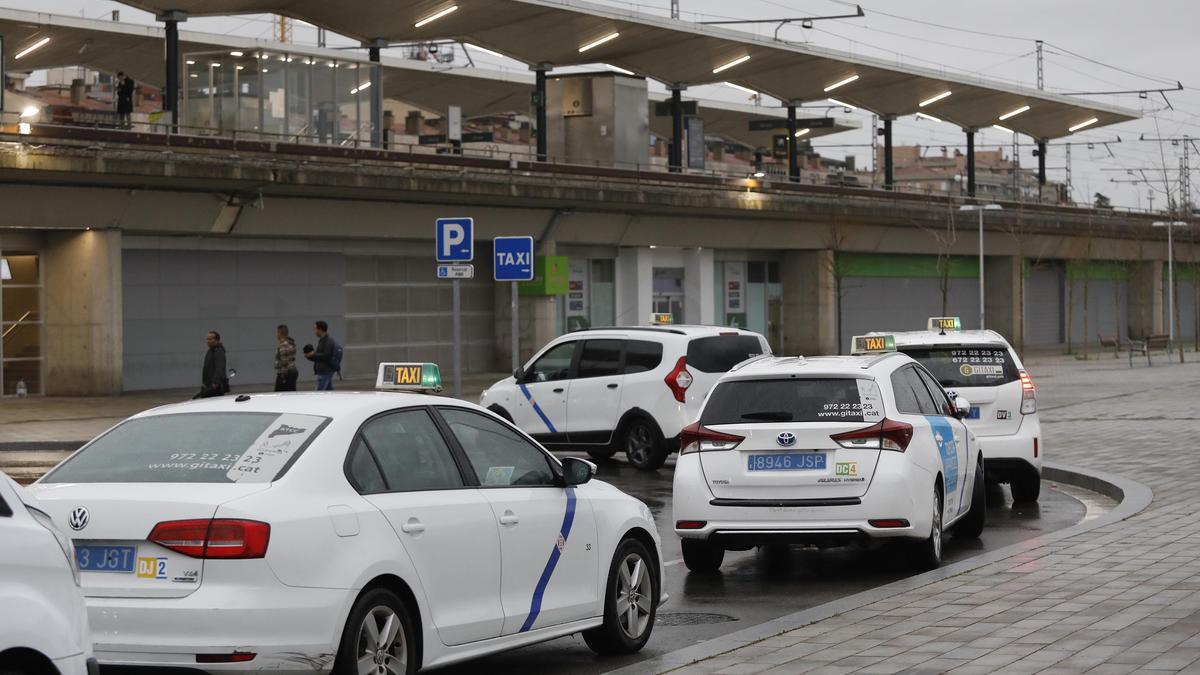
x=423 y=377
x=945 y=323
x=661 y=319
x=872 y=344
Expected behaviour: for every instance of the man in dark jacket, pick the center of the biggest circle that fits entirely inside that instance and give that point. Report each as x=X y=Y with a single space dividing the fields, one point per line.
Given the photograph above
x=322 y=357
x=125 y=87
x=214 y=377
x=285 y=360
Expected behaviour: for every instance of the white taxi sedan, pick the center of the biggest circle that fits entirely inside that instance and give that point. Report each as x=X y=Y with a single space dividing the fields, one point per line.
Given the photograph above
x=827 y=451
x=376 y=532
x=983 y=367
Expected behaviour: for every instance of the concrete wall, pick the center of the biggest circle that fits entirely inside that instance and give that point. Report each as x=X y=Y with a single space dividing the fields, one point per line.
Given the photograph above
x=810 y=320
x=83 y=306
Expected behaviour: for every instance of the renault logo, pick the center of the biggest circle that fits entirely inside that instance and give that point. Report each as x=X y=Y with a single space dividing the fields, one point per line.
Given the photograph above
x=786 y=439
x=78 y=519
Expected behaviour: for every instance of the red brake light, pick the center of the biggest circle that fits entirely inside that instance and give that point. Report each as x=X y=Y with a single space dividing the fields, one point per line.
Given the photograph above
x=890 y=435
x=1026 y=382
x=694 y=437
x=690 y=524
x=679 y=379
x=1028 y=394
x=235 y=657
x=888 y=523
x=215 y=538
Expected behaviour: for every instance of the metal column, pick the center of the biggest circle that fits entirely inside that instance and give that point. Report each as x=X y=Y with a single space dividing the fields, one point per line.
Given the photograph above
x=171 y=20
x=888 y=176
x=970 y=162
x=793 y=145
x=676 y=159
x=1041 y=152
x=376 y=95
x=539 y=104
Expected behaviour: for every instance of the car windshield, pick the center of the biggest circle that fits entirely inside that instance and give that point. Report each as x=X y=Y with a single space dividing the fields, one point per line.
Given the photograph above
x=967 y=365
x=220 y=447
x=793 y=400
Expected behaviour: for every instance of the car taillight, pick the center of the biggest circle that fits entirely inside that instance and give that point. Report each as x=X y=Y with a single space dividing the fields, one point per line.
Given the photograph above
x=1028 y=394
x=679 y=379
x=885 y=435
x=696 y=438
x=214 y=538
x=690 y=524
x=234 y=657
x=1035 y=447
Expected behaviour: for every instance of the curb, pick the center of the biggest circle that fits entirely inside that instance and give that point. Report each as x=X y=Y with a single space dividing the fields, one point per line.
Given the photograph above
x=1132 y=496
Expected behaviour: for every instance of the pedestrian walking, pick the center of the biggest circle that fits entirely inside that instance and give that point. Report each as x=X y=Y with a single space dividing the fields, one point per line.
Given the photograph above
x=326 y=357
x=125 y=87
x=285 y=360
x=214 y=377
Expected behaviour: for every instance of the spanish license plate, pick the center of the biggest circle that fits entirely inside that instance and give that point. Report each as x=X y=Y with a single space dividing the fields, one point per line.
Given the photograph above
x=792 y=461
x=974 y=414
x=118 y=559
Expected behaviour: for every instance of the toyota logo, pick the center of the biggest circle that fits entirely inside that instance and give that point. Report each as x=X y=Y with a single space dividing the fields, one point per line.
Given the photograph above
x=78 y=519
x=786 y=439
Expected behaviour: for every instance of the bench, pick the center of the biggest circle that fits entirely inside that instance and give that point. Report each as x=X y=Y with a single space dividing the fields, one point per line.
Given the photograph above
x=1151 y=343
x=1113 y=341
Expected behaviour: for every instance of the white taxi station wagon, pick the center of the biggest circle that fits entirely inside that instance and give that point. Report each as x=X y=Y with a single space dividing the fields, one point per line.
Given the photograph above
x=370 y=532
x=982 y=366
x=827 y=451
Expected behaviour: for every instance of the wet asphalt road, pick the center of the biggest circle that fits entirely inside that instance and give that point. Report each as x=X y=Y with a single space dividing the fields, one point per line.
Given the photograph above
x=759 y=585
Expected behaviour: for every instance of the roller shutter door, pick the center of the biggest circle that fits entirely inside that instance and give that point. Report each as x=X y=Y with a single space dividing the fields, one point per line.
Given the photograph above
x=900 y=304
x=1044 y=305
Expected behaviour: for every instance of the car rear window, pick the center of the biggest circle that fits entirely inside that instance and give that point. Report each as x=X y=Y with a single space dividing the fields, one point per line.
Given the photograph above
x=793 y=400
x=967 y=365
x=719 y=353
x=194 y=448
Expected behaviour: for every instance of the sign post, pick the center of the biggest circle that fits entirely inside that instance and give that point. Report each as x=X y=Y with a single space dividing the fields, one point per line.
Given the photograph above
x=513 y=261
x=456 y=244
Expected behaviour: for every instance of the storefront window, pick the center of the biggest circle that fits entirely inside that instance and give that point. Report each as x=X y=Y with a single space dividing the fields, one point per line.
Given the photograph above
x=20 y=324
x=668 y=293
x=591 y=295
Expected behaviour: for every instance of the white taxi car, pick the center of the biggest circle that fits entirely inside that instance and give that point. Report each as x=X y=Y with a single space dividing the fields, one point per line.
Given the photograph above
x=371 y=532
x=828 y=451
x=983 y=367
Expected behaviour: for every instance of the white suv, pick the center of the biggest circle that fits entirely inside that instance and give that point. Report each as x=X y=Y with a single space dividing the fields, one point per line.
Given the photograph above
x=631 y=389
x=44 y=624
x=982 y=366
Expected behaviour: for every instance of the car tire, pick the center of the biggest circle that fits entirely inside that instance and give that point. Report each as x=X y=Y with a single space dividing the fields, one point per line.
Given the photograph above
x=971 y=525
x=630 y=602
x=927 y=553
x=375 y=611
x=643 y=445
x=601 y=454
x=701 y=556
x=1026 y=490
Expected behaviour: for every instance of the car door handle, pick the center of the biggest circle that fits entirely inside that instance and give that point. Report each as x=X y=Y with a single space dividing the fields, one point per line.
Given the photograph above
x=559 y=390
x=614 y=385
x=413 y=526
x=509 y=518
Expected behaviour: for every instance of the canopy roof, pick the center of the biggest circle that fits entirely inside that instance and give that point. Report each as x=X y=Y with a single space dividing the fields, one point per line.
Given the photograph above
x=137 y=50
x=679 y=53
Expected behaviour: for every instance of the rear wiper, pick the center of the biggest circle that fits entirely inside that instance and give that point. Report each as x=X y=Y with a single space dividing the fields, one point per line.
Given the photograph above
x=772 y=416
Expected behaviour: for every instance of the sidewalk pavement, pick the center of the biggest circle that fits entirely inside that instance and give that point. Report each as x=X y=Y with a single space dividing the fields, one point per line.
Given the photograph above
x=1121 y=598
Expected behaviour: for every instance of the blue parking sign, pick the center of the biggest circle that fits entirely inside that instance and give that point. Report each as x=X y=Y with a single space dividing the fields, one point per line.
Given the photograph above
x=455 y=239
x=513 y=259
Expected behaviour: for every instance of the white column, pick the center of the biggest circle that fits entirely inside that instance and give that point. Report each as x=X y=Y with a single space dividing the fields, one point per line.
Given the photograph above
x=634 y=286
x=698 y=303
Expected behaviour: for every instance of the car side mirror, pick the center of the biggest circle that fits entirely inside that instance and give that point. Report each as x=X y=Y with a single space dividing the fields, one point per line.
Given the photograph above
x=519 y=374
x=962 y=408
x=577 y=471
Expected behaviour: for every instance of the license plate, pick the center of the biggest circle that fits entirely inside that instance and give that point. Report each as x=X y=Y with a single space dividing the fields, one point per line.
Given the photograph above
x=118 y=559
x=974 y=414
x=792 y=461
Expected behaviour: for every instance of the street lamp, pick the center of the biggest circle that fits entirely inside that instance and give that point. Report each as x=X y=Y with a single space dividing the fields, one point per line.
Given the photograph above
x=981 y=208
x=1170 y=225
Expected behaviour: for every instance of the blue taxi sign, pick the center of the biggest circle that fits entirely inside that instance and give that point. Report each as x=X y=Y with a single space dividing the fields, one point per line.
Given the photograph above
x=422 y=377
x=872 y=344
x=945 y=323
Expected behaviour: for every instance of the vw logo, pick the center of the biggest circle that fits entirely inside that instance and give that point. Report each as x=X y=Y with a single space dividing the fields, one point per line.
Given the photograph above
x=787 y=439
x=78 y=518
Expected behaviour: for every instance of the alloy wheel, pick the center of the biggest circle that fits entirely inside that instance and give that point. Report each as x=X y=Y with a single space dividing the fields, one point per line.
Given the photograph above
x=382 y=649
x=634 y=600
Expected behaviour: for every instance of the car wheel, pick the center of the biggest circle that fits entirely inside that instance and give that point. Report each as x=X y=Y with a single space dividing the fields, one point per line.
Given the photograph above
x=643 y=445
x=971 y=526
x=630 y=602
x=927 y=552
x=378 y=638
x=701 y=556
x=1026 y=490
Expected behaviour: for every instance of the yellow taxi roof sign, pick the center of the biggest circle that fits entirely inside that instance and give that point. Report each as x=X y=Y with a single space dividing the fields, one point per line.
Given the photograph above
x=661 y=319
x=422 y=377
x=945 y=323
x=872 y=344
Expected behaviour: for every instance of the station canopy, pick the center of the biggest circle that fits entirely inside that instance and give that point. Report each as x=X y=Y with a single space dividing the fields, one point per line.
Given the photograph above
x=137 y=50
x=679 y=53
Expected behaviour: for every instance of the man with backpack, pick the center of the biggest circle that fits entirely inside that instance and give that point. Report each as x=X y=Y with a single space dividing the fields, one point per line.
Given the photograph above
x=326 y=358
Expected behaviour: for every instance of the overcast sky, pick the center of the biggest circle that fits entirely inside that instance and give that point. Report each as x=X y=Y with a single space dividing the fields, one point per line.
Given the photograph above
x=1153 y=41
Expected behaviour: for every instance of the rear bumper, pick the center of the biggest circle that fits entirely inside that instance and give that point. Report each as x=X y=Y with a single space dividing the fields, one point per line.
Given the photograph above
x=1006 y=456
x=288 y=629
x=79 y=664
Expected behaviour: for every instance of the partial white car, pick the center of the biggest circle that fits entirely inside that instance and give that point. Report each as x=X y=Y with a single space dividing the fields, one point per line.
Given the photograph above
x=827 y=451
x=43 y=621
x=982 y=366
x=371 y=532
x=621 y=389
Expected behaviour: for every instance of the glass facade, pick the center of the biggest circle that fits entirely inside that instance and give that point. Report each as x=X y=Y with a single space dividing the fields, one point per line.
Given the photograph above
x=21 y=323
x=749 y=295
x=591 y=295
x=277 y=96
